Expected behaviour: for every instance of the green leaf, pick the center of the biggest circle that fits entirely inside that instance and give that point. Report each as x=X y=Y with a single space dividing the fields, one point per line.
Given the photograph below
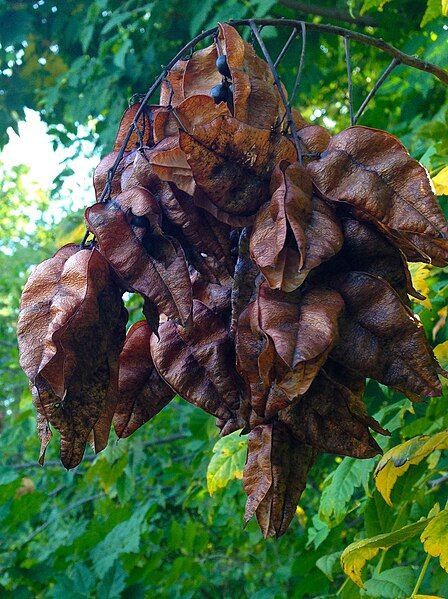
x=326 y=563
x=396 y=583
x=435 y=536
x=120 y=56
x=112 y=583
x=433 y=10
x=116 y=19
x=355 y=556
x=378 y=516
x=227 y=463
x=123 y=538
x=7 y=475
x=397 y=460
x=339 y=487
x=200 y=15
x=318 y=532
x=262 y=7
x=369 y=4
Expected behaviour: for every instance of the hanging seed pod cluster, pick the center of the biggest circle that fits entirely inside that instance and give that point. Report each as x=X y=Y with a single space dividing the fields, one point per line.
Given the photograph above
x=272 y=261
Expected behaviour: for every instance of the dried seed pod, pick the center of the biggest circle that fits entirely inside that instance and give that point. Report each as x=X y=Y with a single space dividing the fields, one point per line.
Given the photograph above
x=71 y=330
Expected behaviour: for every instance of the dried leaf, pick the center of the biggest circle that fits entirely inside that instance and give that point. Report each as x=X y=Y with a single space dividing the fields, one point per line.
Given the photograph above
x=205 y=240
x=256 y=100
x=275 y=477
x=301 y=330
x=244 y=277
x=331 y=416
x=288 y=210
x=314 y=138
x=281 y=344
x=380 y=338
x=214 y=296
x=171 y=89
x=35 y=323
x=146 y=261
x=372 y=171
x=168 y=161
x=101 y=174
x=198 y=362
x=75 y=385
x=366 y=249
x=200 y=73
x=293 y=232
x=231 y=164
x=142 y=136
x=142 y=392
x=165 y=159
x=191 y=112
x=258 y=470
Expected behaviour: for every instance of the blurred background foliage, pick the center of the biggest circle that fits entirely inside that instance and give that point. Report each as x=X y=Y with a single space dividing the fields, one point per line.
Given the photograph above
x=159 y=514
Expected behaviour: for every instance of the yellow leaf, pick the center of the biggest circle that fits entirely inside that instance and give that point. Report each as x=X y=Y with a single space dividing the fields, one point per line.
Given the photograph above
x=227 y=463
x=397 y=460
x=301 y=516
x=419 y=273
x=434 y=538
x=355 y=556
x=427 y=597
x=445 y=8
x=440 y=181
x=441 y=353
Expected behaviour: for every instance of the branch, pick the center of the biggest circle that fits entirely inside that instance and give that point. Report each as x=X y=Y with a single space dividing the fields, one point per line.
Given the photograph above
x=331 y=13
x=407 y=59
x=280 y=89
x=45 y=525
x=375 y=88
x=92 y=458
x=438 y=481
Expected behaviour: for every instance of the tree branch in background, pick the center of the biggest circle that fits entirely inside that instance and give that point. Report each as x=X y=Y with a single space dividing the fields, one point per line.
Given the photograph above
x=92 y=458
x=331 y=13
x=402 y=57
x=438 y=481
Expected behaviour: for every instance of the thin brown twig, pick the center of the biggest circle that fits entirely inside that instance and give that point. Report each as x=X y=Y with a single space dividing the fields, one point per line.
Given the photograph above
x=331 y=13
x=405 y=59
x=281 y=91
x=349 y=78
x=381 y=79
x=285 y=48
x=301 y=63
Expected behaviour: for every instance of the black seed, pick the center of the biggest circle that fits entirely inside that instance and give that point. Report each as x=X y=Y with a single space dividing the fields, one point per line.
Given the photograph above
x=219 y=93
x=222 y=66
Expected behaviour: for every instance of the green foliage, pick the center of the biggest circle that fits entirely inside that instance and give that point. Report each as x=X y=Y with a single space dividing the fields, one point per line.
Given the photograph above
x=396 y=583
x=138 y=520
x=339 y=487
